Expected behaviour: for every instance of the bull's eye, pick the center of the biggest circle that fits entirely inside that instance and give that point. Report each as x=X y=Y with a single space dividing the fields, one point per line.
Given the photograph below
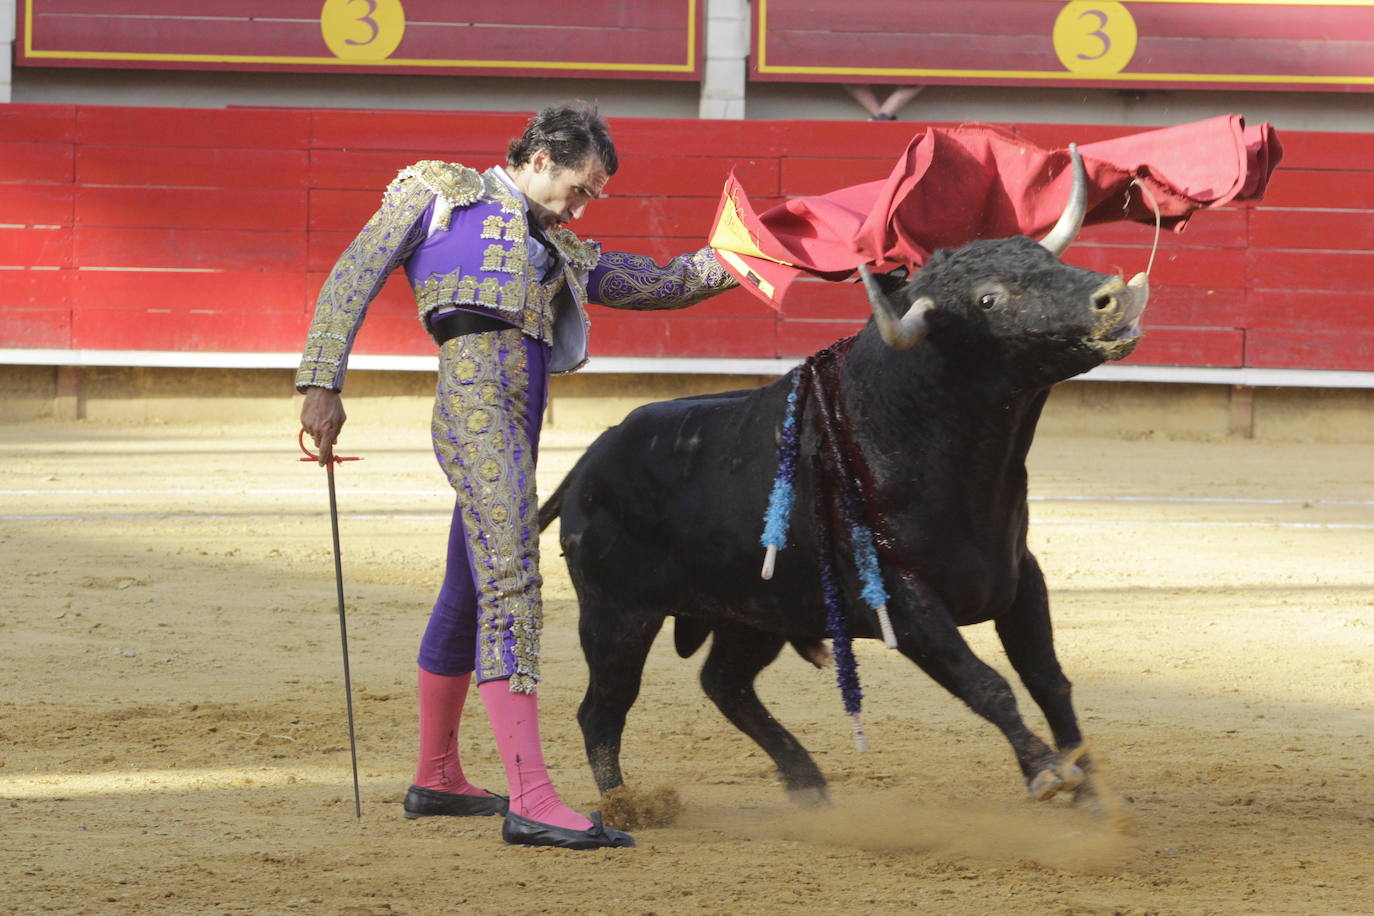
x=987 y=300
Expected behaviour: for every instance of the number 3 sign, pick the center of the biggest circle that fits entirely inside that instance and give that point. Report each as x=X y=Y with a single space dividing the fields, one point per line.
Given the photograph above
x=1094 y=38
x=364 y=29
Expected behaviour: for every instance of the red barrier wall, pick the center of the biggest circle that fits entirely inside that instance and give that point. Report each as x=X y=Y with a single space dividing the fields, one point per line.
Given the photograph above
x=211 y=230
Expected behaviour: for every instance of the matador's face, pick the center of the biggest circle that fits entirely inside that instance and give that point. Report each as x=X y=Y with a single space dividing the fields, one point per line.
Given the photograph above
x=560 y=195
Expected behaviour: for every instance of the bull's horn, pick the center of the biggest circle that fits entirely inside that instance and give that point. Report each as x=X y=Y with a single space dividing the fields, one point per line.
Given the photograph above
x=899 y=334
x=1071 y=220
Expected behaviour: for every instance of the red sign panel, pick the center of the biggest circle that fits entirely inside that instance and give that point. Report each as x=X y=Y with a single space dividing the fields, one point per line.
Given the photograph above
x=630 y=39
x=1147 y=44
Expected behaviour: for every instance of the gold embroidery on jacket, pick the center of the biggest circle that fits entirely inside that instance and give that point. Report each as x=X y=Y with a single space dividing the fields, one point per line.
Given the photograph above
x=487 y=291
x=467 y=292
x=386 y=240
x=496 y=189
x=633 y=281
x=517 y=258
x=454 y=186
x=493 y=226
x=392 y=235
x=583 y=255
x=493 y=258
x=458 y=289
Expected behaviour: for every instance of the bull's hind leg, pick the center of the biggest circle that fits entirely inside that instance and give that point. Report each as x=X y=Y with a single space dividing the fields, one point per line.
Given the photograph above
x=1028 y=638
x=737 y=655
x=615 y=643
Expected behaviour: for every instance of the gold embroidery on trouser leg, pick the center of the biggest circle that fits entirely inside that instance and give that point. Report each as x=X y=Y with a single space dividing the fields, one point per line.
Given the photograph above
x=481 y=441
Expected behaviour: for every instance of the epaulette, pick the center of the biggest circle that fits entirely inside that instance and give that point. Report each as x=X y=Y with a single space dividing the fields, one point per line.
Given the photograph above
x=453 y=185
x=580 y=254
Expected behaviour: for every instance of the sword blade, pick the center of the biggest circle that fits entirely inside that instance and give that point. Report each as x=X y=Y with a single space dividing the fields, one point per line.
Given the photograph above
x=343 y=636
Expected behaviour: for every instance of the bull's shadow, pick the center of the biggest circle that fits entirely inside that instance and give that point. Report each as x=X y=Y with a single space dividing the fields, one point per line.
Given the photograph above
x=920 y=426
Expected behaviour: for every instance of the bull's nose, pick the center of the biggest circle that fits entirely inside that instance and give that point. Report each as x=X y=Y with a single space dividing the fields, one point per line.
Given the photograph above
x=1108 y=296
x=1121 y=304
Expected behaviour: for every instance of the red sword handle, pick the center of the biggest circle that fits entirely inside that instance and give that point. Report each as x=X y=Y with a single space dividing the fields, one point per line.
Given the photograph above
x=311 y=456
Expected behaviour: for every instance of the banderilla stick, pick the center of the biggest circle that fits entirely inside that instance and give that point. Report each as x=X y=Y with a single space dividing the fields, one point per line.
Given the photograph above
x=343 y=622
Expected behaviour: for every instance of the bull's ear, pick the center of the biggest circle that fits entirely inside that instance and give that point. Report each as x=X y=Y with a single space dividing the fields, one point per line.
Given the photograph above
x=893 y=280
x=889 y=282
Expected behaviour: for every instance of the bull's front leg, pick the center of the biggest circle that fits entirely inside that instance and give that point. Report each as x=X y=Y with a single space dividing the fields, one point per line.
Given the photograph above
x=927 y=634
x=1028 y=638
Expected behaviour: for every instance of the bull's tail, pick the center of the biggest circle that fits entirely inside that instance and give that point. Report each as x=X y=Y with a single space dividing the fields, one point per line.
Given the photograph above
x=553 y=506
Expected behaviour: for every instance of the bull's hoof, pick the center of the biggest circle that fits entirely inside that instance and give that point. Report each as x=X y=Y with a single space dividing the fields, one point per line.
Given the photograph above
x=1087 y=795
x=1104 y=804
x=809 y=797
x=1054 y=779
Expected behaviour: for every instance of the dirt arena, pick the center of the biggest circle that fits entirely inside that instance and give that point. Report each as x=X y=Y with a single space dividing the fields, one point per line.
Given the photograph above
x=173 y=734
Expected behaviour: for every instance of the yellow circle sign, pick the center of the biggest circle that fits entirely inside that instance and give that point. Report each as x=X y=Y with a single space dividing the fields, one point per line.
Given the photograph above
x=1094 y=38
x=362 y=29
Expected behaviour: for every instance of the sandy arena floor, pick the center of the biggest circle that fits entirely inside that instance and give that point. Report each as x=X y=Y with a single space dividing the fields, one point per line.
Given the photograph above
x=173 y=735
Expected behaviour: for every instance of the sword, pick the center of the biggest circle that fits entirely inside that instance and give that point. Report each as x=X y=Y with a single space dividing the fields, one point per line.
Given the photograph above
x=343 y=623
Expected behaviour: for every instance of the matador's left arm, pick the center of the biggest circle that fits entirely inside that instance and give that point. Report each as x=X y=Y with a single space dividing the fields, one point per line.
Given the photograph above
x=622 y=280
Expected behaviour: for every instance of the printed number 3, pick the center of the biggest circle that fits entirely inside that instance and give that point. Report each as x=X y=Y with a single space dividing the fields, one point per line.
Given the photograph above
x=1097 y=33
x=1095 y=37
x=344 y=22
x=372 y=23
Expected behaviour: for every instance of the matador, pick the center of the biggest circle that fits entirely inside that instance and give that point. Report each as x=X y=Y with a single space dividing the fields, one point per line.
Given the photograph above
x=501 y=285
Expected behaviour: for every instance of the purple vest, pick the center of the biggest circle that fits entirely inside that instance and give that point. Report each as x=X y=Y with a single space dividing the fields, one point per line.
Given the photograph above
x=480 y=263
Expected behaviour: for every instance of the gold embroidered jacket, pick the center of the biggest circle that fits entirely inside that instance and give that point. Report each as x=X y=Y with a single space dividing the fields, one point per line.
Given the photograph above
x=462 y=238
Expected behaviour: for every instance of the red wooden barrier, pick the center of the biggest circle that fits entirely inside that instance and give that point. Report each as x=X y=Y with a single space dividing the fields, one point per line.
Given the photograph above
x=211 y=231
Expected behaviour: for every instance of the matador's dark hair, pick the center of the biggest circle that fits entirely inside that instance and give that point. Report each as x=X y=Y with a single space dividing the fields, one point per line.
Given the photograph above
x=570 y=131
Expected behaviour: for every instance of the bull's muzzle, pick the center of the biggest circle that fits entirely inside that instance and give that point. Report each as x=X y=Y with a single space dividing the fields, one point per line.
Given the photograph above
x=1120 y=304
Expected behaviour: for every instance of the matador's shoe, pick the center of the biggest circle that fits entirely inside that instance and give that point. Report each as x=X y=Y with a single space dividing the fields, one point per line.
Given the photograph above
x=521 y=831
x=421 y=802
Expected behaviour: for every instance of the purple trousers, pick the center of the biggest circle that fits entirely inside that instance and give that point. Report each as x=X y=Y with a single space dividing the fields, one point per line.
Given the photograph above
x=488 y=410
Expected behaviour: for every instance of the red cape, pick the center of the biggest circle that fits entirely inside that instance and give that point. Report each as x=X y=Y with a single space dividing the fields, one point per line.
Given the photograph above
x=952 y=186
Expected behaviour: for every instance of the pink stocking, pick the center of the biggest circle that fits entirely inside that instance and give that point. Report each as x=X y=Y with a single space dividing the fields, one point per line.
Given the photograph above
x=515 y=723
x=441 y=710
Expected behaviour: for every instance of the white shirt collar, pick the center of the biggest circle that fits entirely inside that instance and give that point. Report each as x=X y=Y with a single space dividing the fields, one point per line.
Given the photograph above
x=509 y=182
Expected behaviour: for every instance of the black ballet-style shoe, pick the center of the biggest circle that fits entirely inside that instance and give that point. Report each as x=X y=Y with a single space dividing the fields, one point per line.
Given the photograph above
x=421 y=802
x=521 y=831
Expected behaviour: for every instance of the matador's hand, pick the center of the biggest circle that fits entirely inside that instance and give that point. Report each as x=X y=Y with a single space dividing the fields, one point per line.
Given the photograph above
x=322 y=416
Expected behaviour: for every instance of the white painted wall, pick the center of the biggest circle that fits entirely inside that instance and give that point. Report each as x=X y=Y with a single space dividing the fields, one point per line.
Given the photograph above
x=726 y=59
x=649 y=98
x=215 y=89
x=8 y=12
x=1331 y=111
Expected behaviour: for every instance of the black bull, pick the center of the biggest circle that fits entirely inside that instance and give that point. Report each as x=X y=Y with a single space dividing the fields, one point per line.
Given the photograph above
x=662 y=515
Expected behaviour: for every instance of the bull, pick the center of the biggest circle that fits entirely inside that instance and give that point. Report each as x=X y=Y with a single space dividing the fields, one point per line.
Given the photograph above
x=940 y=394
